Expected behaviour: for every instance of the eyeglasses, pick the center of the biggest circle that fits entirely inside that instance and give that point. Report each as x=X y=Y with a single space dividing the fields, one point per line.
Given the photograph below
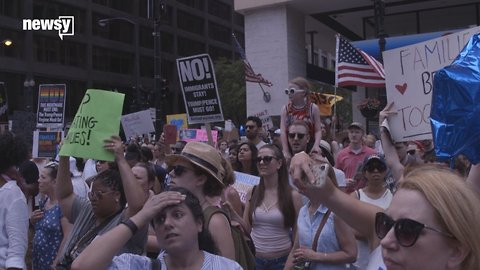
x=266 y=159
x=97 y=195
x=371 y=166
x=178 y=170
x=298 y=135
x=407 y=230
x=292 y=91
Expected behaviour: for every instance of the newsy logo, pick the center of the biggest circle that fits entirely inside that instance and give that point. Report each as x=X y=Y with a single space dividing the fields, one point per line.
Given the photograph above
x=64 y=25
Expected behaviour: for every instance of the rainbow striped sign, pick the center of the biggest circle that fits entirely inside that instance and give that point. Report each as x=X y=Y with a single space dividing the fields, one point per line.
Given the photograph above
x=51 y=105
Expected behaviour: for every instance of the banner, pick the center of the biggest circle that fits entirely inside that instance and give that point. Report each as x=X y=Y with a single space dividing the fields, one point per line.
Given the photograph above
x=267 y=123
x=199 y=87
x=3 y=104
x=243 y=183
x=45 y=143
x=51 y=105
x=137 y=123
x=93 y=124
x=179 y=120
x=196 y=135
x=409 y=81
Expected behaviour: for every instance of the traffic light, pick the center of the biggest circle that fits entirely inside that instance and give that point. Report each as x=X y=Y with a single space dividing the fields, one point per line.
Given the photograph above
x=164 y=89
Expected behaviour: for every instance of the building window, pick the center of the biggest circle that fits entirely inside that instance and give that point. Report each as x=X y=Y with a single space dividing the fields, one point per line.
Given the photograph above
x=220 y=9
x=238 y=19
x=332 y=63
x=197 y=4
x=315 y=58
x=112 y=61
x=216 y=52
x=48 y=9
x=167 y=42
x=146 y=66
x=324 y=61
x=188 y=47
x=146 y=37
x=117 y=30
x=219 y=33
x=123 y=5
x=190 y=23
x=10 y=8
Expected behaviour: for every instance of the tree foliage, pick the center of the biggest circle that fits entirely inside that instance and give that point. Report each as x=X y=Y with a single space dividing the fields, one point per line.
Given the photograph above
x=231 y=87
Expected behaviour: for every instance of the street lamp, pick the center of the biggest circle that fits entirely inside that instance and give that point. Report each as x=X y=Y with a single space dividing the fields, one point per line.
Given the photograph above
x=7 y=42
x=29 y=84
x=105 y=22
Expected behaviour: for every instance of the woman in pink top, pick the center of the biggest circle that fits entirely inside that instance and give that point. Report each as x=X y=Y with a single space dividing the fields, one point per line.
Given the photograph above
x=271 y=210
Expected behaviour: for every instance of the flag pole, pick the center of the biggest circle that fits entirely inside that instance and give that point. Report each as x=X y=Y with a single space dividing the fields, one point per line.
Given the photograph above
x=337 y=36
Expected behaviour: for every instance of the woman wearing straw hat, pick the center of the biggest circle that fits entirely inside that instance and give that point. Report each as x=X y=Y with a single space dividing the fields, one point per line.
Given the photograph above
x=199 y=169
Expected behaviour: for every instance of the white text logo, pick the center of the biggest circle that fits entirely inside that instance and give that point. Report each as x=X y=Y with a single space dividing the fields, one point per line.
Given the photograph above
x=64 y=25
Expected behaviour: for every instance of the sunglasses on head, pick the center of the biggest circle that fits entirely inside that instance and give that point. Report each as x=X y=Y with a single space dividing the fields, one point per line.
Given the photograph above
x=298 y=135
x=291 y=91
x=101 y=161
x=265 y=159
x=178 y=170
x=51 y=165
x=372 y=166
x=406 y=230
x=97 y=195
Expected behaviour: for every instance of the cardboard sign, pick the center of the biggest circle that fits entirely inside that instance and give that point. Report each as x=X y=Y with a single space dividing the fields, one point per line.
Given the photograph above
x=45 y=143
x=199 y=87
x=170 y=134
x=51 y=105
x=137 y=123
x=243 y=183
x=409 y=81
x=93 y=124
x=267 y=123
x=196 y=135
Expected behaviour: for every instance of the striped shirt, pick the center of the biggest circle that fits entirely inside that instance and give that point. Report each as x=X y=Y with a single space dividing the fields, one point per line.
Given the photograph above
x=133 y=262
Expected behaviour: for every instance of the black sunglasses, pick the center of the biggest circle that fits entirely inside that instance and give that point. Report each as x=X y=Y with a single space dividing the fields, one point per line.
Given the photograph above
x=407 y=230
x=266 y=159
x=178 y=170
x=371 y=166
x=292 y=91
x=298 y=135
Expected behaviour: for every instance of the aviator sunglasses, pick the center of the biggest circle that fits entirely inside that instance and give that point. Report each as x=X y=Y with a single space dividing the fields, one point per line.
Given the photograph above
x=291 y=91
x=266 y=159
x=406 y=230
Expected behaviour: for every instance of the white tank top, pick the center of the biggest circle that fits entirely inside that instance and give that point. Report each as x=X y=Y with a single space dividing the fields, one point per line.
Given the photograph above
x=268 y=232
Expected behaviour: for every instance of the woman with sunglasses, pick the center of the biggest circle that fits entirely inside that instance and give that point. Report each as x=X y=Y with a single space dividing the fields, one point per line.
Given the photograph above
x=428 y=225
x=51 y=227
x=375 y=192
x=300 y=107
x=335 y=242
x=246 y=157
x=110 y=191
x=177 y=217
x=199 y=169
x=271 y=210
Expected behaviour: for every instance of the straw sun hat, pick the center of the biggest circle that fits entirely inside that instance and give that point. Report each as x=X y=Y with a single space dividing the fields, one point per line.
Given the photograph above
x=203 y=156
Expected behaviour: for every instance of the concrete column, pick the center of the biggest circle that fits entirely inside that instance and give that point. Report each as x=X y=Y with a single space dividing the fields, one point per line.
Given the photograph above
x=275 y=47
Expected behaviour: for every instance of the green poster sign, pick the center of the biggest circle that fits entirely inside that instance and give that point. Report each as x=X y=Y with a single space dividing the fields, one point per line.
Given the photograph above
x=93 y=123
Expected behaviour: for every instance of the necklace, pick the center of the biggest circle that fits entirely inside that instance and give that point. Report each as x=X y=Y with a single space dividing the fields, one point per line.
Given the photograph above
x=267 y=208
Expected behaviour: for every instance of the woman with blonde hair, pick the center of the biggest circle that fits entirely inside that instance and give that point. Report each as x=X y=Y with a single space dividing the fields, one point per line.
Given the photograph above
x=299 y=107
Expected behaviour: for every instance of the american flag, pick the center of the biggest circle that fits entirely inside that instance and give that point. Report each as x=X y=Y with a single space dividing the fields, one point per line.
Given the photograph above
x=250 y=75
x=355 y=67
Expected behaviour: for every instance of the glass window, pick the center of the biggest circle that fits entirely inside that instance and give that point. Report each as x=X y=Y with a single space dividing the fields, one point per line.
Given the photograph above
x=220 y=9
x=219 y=32
x=188 y=47
x=112 y=61
x=216 y=52
x=190 y=23
x=197 y=4
x=10 y=8
x=47 y=9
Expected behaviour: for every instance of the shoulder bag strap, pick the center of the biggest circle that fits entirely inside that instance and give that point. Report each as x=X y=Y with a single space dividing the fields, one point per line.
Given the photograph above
x=155 y=264
x=319 y=230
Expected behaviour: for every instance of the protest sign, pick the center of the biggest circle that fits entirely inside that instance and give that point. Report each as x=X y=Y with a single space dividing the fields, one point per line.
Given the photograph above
x=179 y=120
x=45 y=143
x=137 y=123
x=3 y=104
x=199 y=87
x=267 y=123
x=51 y=105
x=196 y=135
x=409 y=81
x=243 y=183
x=93 y=124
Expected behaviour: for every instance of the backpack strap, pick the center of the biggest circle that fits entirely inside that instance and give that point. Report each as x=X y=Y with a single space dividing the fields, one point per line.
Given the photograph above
x=155 y=264
x=210 y=211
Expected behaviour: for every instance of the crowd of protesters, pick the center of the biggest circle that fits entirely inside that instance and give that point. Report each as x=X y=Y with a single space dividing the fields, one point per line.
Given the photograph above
x=381 y=204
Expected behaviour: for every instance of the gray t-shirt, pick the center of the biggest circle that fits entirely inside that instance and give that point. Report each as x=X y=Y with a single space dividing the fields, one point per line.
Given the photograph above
x=83 y=220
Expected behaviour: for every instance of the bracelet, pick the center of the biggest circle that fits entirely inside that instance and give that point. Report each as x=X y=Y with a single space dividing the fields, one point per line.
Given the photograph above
x=131 y=225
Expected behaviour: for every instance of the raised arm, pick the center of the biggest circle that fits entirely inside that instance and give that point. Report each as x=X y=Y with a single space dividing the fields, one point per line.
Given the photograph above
x=473 y=178
x=391 y=156
x=318 y=129
x=99 y=254
x=134 y=193
x=357 y=214
x=64 y=187
x=283 y=134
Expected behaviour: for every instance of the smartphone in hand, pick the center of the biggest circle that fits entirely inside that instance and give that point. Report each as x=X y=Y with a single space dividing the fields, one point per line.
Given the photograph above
x=320 y=173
